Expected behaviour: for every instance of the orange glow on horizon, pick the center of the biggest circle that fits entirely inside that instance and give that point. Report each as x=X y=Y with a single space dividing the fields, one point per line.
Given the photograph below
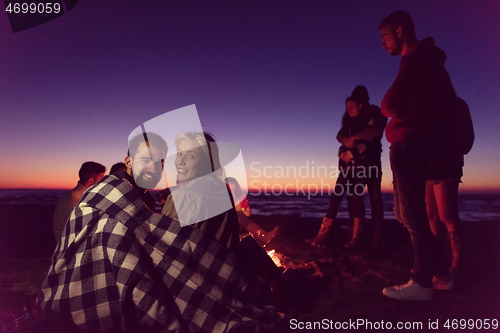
x=35 y=181
x=45 y=177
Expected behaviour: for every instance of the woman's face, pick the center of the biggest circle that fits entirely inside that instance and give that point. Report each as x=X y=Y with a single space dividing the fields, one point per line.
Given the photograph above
x=353 y=108
x=191 y=161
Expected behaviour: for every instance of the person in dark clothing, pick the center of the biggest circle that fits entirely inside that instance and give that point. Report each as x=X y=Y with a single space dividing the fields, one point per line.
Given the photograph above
x=359 y=165
x=120 y=267
x=244 y=211
x=443 y=177
x=370 y=133
x=117 y=166
x=90 y=173
x=415 y=103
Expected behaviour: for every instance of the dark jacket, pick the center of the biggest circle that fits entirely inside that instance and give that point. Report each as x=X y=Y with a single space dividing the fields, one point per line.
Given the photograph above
x=368 y=126
x=421 y=91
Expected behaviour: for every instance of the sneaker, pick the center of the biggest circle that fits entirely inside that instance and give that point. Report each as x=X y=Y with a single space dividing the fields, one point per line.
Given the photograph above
x=445 y=283
x=410 y=291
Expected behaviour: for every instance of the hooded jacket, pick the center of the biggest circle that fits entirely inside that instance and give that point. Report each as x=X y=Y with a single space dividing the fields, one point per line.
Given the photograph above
x=420 y=93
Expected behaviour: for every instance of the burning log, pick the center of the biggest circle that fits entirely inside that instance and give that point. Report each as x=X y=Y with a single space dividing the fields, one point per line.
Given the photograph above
x=276 y=257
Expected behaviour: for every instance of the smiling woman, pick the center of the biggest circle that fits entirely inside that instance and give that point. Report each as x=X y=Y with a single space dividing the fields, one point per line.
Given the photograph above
x=201 y=198
x=194 y=156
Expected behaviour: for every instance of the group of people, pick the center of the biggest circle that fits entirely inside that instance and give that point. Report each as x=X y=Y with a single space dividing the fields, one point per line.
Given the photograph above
x=90 y=173
x=430 y=130
x=121 y=267
x=360 y=166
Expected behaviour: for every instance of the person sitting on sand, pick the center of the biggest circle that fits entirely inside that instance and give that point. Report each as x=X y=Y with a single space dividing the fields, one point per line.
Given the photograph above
x=120 y=267
x=200 y=184
x=90 y=173
x=201 y=198
x=359 y=165
x=163 y=196
x=244 y=211
x=117 y=167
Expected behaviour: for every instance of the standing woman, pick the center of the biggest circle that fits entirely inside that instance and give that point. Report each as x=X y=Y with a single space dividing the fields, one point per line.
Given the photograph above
x=359 y=165
x=443 y=177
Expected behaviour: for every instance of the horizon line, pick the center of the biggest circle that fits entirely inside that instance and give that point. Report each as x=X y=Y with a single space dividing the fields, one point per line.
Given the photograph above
x=292 y=192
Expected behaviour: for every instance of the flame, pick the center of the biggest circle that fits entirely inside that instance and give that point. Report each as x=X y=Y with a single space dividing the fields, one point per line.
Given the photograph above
x=274 y=257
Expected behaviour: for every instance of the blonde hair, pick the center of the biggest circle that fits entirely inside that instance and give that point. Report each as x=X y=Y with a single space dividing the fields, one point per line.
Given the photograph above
x=207 y=144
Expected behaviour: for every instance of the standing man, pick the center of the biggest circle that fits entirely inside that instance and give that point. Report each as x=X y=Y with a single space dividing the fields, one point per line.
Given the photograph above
x=90 y=173
x=416 y=103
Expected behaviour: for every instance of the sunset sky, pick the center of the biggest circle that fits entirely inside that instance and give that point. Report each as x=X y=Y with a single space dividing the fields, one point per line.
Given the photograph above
x=270 y=76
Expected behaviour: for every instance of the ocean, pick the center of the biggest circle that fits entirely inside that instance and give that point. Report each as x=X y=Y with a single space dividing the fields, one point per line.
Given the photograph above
x=472 y=206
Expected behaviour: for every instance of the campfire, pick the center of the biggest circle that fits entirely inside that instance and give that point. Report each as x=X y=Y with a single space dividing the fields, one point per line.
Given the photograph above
x=308 y=263
x=276 y=257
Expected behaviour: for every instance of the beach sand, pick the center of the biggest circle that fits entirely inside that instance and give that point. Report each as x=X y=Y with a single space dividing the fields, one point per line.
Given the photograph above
x=321 y=283
x=340 y=284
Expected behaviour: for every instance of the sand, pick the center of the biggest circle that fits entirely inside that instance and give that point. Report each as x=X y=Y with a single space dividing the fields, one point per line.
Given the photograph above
x=347 y=284
x=321 y=283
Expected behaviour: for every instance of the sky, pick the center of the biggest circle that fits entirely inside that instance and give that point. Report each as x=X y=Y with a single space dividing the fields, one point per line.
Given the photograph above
x=270 y=76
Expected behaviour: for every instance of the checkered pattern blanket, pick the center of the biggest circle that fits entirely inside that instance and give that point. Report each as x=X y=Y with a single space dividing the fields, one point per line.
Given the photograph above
x=120 y=266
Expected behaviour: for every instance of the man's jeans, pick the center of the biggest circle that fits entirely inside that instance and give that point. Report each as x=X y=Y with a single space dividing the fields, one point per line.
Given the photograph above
x=408 y=164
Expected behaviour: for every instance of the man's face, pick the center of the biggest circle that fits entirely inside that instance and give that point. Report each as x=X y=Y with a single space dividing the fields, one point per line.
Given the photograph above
x=147 y=166
x=391 y=41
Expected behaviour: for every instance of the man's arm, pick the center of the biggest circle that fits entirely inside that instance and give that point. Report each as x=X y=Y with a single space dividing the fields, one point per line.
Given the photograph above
x=407 y=83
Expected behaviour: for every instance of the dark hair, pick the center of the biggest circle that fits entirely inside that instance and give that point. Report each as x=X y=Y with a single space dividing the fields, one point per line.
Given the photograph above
x=213 y=151
x=152 y=138
x=354 y=99
x=237 y=188
x=117 y=167
x=346 y=118
x=89 y=170
x=399 y=18
x=361 y=94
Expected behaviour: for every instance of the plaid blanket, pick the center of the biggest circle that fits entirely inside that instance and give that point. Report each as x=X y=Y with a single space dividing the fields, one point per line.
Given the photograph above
x=121 y=267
